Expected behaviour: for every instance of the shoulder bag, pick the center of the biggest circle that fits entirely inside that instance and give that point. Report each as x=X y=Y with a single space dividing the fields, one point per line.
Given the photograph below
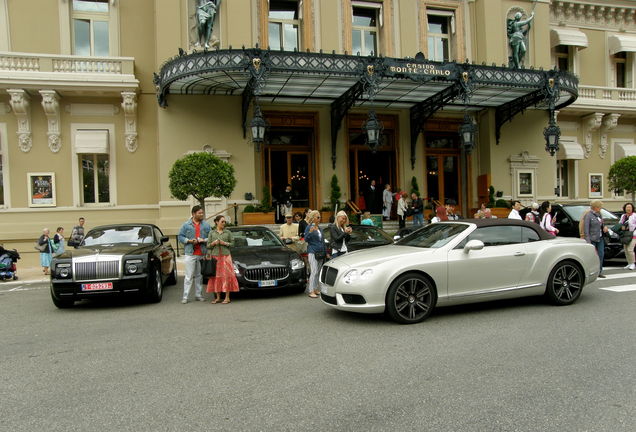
x=40 y=247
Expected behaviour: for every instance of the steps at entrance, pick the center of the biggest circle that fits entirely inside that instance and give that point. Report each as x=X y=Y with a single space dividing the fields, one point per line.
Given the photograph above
x=390 y=227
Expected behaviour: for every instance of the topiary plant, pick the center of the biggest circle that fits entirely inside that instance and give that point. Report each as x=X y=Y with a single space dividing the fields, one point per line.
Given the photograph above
x=414 y=187
x=335 y=195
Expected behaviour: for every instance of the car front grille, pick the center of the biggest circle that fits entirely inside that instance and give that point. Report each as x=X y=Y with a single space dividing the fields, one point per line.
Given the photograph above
x=266 y=273
x=96 y=270
x=328 y=275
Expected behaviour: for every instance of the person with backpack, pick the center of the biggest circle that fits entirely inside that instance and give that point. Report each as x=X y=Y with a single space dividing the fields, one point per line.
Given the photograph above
x=533 y=215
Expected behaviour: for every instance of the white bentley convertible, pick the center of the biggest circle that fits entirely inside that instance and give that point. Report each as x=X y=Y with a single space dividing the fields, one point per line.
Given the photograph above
x=449 y=263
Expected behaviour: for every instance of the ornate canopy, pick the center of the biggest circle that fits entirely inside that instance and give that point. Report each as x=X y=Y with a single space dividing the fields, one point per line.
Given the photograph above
x=344 y=81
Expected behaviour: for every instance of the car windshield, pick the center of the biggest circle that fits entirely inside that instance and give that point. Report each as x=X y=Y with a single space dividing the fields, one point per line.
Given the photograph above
x=119 y=234
x=576 y=212
x=369 y=234
x=255 y=238
x=433 y=236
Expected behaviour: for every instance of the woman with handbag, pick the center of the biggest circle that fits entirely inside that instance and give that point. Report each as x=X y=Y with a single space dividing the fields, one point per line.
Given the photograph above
x=316 y=252
x=546 y=218
x=628 y=222
x=340 y=234
x=44 y=246
x=224 y=281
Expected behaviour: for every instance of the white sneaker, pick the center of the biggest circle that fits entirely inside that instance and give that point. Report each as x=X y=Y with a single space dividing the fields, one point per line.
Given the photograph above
x=632 y=266
x=184 y=301
x=627 y=267
x=201 y=299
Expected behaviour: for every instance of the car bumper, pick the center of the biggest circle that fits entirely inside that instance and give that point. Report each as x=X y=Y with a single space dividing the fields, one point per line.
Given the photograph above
x=352 y=299
x=296 y=279
x=68 y=289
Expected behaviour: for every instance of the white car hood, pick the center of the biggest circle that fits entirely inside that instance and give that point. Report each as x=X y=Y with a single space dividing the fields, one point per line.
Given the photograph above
x=378 y=255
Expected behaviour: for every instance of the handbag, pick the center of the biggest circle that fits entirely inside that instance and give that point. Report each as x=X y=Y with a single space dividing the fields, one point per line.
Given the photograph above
x=320 y=255
x=208 y=266
x=40 y=247
x=626 y=236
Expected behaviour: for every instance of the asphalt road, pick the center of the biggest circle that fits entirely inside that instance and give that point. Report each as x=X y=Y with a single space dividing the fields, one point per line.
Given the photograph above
x=289 y=363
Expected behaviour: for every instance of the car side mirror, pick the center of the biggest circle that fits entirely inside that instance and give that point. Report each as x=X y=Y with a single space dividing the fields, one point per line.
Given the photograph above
x=396 y=237
x=165 y=239
x=473 y=245
x=288 y=241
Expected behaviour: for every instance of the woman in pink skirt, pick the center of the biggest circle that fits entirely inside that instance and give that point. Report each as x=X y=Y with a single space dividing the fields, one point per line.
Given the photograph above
x=219 y=242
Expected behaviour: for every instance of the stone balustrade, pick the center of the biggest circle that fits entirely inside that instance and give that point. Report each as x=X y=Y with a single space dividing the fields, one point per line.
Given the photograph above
x=22 y=62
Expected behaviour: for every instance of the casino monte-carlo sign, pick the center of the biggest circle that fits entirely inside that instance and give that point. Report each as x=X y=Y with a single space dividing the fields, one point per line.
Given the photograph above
x=419 y=70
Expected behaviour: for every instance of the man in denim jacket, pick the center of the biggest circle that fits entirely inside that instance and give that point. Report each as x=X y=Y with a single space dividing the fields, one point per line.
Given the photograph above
x=193 y=235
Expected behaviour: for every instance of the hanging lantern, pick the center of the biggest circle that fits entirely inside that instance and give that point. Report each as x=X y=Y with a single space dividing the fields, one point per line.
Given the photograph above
x=373 y=128
x=258 y=126
x=467 y=134
x=552 y=133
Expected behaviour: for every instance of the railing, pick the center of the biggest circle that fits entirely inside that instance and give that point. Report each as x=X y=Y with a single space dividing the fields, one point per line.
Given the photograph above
x=607 y=93
x=24 y=62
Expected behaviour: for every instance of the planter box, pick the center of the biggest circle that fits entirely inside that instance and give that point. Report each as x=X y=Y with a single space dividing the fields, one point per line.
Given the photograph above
x=258 y=218
x=325 y=215
x=500 y=212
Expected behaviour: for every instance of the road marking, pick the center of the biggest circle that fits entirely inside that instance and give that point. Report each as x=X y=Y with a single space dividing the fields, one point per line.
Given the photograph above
x=618 y=276
x=620 y=288
x=23 y=288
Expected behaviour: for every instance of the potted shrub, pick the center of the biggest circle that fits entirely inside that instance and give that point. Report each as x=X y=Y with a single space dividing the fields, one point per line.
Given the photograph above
x=261 y=214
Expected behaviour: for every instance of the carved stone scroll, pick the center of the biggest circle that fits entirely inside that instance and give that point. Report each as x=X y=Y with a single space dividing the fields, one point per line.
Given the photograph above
x=129 y=105
x=21 y=105
x=51 y=105
x=590 y=124
x=610 y=121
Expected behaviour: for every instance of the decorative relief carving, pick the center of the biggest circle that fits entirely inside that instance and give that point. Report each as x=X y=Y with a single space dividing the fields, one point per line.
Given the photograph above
x=129 y=105
x=51 y=105
x=592 y=15
x=21 y=105
x=590 y=124
x=610 y=121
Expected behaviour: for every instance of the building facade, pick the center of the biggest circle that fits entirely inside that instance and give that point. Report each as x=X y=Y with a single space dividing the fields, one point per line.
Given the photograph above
x=91 y=120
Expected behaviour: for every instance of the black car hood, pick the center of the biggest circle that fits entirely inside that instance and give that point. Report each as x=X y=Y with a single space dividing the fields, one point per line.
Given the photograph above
x=108 y=249
x=256 y=256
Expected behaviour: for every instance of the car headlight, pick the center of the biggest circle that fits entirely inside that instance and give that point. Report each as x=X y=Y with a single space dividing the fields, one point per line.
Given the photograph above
x=134 y=266
x=236 y=269
x=63 y=270
x=297 y=264
x=353 y=275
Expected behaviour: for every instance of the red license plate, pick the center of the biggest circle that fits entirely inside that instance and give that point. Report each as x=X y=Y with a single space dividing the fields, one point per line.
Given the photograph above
x=97 y=286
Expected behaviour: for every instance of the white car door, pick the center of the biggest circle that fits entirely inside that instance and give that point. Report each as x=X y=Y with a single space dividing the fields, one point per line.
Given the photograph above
x=500 y=265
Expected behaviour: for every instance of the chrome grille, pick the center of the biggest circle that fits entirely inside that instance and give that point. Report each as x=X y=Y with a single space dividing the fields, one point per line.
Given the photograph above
x=96 y=270
x=266 y=273
x=328 y=275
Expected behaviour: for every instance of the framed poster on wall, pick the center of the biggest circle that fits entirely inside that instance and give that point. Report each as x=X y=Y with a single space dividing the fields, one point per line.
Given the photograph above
x=41 y=189
x=525 y=183
x=595 y=185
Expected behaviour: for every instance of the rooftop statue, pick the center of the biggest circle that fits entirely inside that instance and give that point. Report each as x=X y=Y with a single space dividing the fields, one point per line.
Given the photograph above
x=205 y=14
x=517 y=34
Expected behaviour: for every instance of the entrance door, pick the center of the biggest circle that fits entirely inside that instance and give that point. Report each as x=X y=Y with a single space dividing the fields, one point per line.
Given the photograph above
x=442 y=178
x=365 y=166
x=288 y=161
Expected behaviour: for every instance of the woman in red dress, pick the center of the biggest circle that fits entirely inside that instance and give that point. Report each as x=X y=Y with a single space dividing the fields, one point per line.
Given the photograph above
x=219 y=242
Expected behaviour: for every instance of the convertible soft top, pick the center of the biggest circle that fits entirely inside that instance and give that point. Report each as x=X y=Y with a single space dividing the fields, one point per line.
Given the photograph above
x=543 y=235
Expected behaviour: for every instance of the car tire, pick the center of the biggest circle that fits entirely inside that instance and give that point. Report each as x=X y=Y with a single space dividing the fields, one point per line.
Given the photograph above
x=411 y=298
x=61 y=304
x=155 y=287
x=172 y=278
x=565 y=283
